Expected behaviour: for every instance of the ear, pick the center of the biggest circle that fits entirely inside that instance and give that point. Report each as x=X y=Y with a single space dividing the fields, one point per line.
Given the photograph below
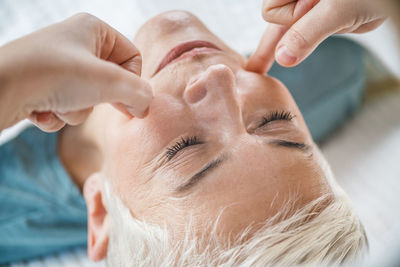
x=98 y=219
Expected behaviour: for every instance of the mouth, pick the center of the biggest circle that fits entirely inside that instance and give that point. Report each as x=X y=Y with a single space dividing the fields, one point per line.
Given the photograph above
x=187 y=50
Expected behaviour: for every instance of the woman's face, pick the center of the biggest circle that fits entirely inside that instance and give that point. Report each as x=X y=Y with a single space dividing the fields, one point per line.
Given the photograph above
x=216 y=136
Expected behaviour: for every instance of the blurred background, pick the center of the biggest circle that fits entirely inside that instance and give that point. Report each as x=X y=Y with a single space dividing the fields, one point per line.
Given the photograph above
x=364 y=153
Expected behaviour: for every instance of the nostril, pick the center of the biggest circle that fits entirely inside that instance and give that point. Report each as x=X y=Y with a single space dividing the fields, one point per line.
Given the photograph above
x=217 y=80
x=195 y=92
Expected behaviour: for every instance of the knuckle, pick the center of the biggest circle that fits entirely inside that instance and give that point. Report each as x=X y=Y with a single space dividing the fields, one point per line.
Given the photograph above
x=86 y=19
x=269 y=15
x=277 y=14
x=268 y=10
x=297 y=39
x=84 y=16
x=134 y=64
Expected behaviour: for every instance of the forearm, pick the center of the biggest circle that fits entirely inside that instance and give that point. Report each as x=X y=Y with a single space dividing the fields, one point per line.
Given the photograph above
x=11 y=100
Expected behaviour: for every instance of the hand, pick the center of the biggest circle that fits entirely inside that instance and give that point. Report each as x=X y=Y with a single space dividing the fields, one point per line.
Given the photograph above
x=307 y=23
x=56 y=75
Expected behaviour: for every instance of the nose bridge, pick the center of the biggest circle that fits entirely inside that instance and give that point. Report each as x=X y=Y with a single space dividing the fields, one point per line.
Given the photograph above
x=213 y=97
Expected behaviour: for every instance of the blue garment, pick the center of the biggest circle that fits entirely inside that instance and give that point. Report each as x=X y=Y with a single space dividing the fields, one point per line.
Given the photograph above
x=41 y=210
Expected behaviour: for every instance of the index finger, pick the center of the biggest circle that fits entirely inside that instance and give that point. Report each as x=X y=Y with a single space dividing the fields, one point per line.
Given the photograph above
x=263 y=58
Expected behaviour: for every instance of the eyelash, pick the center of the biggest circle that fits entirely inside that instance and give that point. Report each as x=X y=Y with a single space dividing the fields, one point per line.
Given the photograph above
x=276 y=116
x=193 y=140
x=181 y=144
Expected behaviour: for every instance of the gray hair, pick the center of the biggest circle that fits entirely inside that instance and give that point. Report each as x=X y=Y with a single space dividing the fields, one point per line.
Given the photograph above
x=325 y=232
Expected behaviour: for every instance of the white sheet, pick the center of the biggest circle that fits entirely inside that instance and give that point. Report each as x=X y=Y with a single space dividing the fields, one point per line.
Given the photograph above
x=365 y=156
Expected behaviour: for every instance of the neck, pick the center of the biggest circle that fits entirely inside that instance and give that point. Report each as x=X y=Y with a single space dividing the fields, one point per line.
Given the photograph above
x=80 y=149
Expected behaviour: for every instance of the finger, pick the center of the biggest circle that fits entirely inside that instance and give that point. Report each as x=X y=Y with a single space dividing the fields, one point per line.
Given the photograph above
x=286 y=12
x=99 y=81
x=120 y=86
x=76 y=117
x=307 y=33
x=105 y=42
x=109 y=79
x=262 y=60
x=46 y=121
x=115 y=47
x=121 y=107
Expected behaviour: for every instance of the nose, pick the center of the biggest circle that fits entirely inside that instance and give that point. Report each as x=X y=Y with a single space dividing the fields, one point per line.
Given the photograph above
x=216 y=82
x=213 y=97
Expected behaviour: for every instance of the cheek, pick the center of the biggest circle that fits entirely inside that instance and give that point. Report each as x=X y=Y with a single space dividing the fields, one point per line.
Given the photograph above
x=135 y=142
x=132 y=148
x=127 y=173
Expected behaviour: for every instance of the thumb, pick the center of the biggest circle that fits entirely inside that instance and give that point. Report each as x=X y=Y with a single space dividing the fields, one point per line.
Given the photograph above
x=125 y=89
x=307 y=33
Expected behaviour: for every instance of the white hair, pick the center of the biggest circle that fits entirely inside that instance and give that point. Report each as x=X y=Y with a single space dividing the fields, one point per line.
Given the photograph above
x=325 y=232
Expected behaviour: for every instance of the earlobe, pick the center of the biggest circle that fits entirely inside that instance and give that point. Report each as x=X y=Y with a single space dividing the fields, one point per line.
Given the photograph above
x=98 y=220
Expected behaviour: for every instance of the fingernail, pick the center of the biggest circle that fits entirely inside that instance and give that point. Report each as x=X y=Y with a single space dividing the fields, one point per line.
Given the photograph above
x=131 y=110
x=146 y=112
x=285 y=57
x=43 y=117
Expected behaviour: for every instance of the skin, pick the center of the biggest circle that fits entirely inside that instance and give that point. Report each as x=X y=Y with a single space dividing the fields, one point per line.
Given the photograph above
x=391 y=7
x=298 y=27
x=209 y=96
x=212 y=97
x=56 y=75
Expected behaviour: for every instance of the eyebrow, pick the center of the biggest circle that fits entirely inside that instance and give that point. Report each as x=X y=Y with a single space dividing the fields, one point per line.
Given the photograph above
x=195 y=179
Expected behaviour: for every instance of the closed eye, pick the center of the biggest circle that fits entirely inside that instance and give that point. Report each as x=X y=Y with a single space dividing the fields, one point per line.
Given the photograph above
x=181 y=144
x=276 y=116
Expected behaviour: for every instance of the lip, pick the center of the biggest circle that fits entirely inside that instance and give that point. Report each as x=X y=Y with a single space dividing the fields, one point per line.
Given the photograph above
x=187 y=50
